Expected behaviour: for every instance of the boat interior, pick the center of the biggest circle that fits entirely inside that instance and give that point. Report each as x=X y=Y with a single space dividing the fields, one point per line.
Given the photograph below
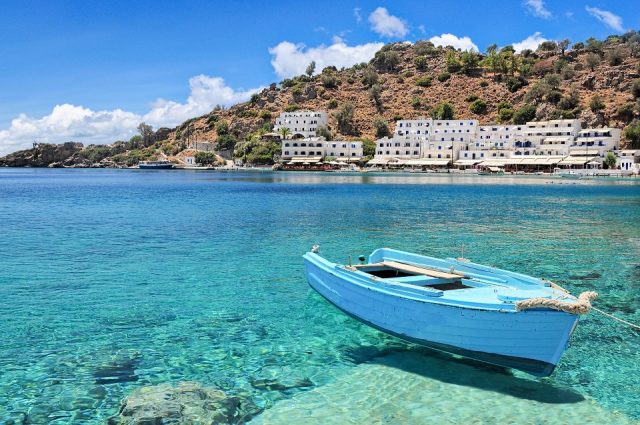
x=408 y=274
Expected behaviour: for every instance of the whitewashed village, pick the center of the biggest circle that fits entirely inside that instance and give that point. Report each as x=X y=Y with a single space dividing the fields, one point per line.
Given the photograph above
x=429 y=145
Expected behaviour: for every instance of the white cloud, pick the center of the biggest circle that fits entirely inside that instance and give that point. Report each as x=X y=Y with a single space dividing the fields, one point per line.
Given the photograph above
x=206 y=92
x=356 y=13
x=76 y=123
x=532 y=42
x=445 y=40
x=609 y=19
x=387 y=25
x=68 y=123
x=290 y=59
x=538 y=8
x=422 y=29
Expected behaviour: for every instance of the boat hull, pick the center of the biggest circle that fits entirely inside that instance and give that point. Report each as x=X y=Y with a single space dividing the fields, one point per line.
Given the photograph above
x=156 y=167
x=531 y=341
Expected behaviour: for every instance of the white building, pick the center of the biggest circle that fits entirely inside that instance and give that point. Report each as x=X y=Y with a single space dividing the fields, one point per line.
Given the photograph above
x=315 y=148
x=551 y=137
x=301 y=124
x=629 y=160
x=491 y=142
x=538 y=143
x=404 y=147
x=596 y=141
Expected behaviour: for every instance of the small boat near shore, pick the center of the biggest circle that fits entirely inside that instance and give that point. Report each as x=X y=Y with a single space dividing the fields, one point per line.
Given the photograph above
x=453 y=305
x=155 y=165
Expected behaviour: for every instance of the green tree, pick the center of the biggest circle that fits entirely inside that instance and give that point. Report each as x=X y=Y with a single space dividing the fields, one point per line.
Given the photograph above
x=592 y=60
x=525 y=114
x=222 y=128
x=594 y=45
x=470 y=62
x=344 y=116
x=632 y=134
x=452 y=61
x=329 y=81
x=310 y=68
x=375 y=94
x=443 y=76
x=323 y=131
x=368 y=148
x=206 y=158
x=146 y=133
x=369 y=76
x=425 y=48
x=284 y=132
x=505 y=115
x=382 y=129
x=563 y=45
x=444 y=111
x=491 y=59
x=423 y=82
x=615 y=56
x=548 y=46
x=386 y=61
x=478 y=106
x=226 y=142
x=635 y=89
x=596 y=104
x=610 y=160
x=421 y=63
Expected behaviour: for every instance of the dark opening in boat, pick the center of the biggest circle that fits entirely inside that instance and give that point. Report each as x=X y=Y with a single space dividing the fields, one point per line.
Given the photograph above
x=387 y=272
x=417 y=276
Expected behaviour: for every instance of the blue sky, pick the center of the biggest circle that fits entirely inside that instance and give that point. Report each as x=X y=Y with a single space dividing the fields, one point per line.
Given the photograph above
x=90 y=70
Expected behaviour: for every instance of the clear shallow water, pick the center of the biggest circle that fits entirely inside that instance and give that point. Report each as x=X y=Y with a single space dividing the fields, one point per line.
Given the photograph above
x=114 y=279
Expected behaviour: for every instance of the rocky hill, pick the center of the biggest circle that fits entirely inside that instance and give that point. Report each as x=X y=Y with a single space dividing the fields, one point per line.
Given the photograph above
x=596 y=81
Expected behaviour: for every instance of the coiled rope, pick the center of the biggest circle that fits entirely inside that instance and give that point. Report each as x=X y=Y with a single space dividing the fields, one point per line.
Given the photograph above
x=582 y=306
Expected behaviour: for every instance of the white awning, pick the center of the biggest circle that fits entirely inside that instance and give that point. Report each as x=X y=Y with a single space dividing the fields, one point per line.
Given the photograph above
x=303 y=159
x=557 y=139
x=585 y=152
x=467 y=162
x=427 y=161
x=576 y=160
x=378 y=161
x=494 y=163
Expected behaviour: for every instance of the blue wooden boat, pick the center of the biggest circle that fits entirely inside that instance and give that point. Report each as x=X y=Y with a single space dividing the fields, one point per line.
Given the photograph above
x=155 y=165
x=453 y=305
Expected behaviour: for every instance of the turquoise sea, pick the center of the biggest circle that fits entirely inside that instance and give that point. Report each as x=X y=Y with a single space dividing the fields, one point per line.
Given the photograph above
x=116 y=279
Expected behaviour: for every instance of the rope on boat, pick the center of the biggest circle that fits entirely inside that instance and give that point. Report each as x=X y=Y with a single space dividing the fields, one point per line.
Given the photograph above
x=582 y=306
x=616 y=318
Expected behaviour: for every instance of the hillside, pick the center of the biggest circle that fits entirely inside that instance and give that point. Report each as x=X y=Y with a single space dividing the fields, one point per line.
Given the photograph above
x=596 y=81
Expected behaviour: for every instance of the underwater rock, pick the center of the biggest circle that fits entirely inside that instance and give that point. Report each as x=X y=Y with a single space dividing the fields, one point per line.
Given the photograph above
x=119 y=371
x=273 y=385
x=184 y=403
x=588 y=276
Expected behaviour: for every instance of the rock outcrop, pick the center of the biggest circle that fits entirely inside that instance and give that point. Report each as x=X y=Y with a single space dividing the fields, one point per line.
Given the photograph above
x=182 y=404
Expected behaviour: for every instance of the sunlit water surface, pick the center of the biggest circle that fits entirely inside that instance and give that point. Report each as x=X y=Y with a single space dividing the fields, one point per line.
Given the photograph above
x=115 y=279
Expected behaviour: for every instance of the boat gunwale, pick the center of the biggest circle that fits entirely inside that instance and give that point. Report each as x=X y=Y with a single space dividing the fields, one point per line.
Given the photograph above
x=357 y=277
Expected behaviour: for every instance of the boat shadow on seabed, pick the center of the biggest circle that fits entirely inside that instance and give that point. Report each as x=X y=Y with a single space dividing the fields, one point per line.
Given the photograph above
x=455 y=370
